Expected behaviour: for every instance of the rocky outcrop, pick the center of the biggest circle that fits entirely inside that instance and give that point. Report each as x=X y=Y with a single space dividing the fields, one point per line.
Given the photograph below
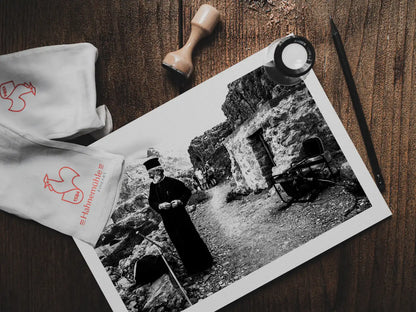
x=247 y=94
x=209 y=148
x=160 y=295
x=163 y=296
x=118 y=240
x=132 y=205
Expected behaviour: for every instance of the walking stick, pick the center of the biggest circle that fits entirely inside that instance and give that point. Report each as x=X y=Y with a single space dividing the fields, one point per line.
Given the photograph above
x=175 y=278
x=159 y=248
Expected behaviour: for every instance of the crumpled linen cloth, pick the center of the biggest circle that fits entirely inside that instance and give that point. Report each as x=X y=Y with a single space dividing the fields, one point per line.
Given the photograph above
x=49 y=93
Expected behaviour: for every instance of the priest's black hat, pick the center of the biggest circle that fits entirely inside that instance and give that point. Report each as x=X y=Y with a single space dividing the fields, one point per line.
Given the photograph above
x=152 y=163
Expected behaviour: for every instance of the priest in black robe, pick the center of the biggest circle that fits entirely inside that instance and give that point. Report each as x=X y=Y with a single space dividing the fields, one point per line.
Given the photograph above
x=168 y=197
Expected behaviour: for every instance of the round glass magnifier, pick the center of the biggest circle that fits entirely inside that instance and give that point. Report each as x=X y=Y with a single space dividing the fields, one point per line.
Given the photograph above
x=293 y=58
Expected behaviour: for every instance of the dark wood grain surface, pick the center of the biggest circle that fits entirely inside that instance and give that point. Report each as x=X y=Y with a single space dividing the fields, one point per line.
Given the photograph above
x=42 y=270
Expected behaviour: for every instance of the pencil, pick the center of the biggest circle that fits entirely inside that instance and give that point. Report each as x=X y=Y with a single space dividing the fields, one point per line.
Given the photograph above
x=371 y=153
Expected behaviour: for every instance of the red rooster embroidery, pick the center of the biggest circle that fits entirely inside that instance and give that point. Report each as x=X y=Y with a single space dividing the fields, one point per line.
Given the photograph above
x=65 y=186
x=14 y=93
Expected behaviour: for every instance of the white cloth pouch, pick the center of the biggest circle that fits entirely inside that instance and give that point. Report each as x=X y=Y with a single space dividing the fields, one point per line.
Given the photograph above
x=64 y=186
x=50 y=91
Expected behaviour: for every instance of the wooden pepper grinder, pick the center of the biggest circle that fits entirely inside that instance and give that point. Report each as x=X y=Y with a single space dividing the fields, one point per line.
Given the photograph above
x=203 y=23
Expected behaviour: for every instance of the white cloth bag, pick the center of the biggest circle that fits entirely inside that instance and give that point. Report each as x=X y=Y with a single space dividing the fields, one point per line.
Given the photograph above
x=67 y=187
x=50 y=91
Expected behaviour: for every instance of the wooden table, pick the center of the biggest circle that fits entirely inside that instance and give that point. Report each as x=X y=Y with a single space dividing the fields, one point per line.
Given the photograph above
x=42 y=270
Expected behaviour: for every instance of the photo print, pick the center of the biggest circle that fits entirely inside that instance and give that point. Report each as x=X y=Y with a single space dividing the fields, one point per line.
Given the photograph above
x=206 y=203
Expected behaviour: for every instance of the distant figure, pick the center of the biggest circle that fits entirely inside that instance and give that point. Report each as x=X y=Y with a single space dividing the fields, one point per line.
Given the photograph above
x=210 y=175
x=168 y=197
x=195 y=183
x=201 y=177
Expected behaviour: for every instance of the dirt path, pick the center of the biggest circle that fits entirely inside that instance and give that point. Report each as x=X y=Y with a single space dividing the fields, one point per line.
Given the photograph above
x=248 y=226
x=246 y=234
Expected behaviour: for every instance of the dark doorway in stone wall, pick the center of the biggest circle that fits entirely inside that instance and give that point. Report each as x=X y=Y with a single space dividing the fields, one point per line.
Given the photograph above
x=264 y=155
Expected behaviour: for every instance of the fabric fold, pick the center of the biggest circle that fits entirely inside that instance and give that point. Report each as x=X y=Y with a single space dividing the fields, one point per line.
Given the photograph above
x=64 y=186
x=50 y=91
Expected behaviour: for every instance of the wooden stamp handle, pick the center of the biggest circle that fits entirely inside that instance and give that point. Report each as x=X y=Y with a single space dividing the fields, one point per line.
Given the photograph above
x=206 y=18
x=203 y=23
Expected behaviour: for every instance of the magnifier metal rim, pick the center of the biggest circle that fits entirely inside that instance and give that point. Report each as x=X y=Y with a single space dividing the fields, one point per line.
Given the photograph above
x=310 y=52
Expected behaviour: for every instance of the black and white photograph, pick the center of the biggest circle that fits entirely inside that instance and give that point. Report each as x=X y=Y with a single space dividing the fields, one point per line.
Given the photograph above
x=211 y=198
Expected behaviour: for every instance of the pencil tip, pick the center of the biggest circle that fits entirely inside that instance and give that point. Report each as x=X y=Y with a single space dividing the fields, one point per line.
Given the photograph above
x=333 y=27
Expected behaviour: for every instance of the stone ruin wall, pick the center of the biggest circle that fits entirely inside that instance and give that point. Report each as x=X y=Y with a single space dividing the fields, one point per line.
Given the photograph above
x=248 y=173
x=285 y=123
x=209 y=147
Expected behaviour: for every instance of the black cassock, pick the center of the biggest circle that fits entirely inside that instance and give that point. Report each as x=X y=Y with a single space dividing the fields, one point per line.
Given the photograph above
x=189 y=245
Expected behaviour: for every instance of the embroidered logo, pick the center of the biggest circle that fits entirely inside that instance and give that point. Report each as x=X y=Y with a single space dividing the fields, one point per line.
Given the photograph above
x=65 y=186
x=14 y=93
